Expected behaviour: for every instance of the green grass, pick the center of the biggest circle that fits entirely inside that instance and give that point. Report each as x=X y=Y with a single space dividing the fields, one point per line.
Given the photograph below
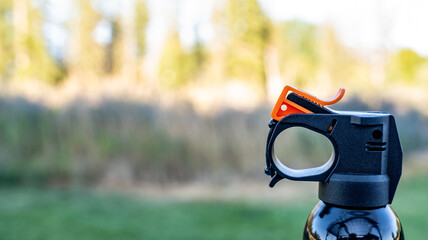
x=47 y=214
x=58 y=214
x=411 y=206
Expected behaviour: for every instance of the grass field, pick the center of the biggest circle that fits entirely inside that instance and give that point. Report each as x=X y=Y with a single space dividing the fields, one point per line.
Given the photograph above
x=58 y=214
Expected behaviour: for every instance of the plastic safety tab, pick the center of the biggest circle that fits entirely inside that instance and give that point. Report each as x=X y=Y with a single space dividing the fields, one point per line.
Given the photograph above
x=285 y=106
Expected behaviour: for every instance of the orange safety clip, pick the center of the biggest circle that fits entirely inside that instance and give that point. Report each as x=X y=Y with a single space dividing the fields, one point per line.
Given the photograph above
x=284 y=107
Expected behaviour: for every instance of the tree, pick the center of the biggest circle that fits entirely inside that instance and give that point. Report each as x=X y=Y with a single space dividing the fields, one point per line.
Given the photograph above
x=115 y=55
x=404 y=66
x=32 y=59
x=126 y=50
x=249 y=35
x=174 y=65
x=86 y=56
x=197 y=56
x=335 y=59
x=6 y=38
x=141 y=18
x=298 y=48
x=177 y=66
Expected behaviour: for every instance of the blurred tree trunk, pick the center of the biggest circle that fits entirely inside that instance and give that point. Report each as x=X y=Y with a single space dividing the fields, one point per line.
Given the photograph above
x=141 y=19
x=115 y=59
x=128 y=49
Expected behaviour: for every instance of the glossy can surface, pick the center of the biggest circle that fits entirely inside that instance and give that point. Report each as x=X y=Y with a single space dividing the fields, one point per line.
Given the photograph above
x=327 y=222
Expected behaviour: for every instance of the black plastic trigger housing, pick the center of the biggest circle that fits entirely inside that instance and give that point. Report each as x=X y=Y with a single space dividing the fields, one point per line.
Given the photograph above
x=367 y=159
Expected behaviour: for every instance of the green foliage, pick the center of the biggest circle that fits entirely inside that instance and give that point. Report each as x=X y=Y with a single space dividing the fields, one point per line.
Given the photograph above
x=335 y=59
x=22 y=48
x=41 y=64
x=86 y=56
x=172 y=66
x=299 y=49
x=198 y=57
x=404 y=66
x=249 y=35
x=178 y=67
x=308 y=53
x=298 y=38
x=141 y=20
x=6 y=38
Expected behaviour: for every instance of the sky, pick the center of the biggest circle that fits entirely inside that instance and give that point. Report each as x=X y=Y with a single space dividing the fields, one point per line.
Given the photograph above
x=364 y=24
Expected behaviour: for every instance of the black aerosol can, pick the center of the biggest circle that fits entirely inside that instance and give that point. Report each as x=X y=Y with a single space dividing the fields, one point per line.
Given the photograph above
x=359 y=181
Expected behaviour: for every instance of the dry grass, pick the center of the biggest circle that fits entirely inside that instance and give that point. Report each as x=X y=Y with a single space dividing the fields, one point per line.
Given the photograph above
x=121 y=139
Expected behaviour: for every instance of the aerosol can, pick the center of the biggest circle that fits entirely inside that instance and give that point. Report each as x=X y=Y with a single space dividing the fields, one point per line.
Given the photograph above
x=359 y=181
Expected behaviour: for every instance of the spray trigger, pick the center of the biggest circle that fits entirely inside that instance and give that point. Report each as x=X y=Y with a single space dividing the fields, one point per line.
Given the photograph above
x=293 y=100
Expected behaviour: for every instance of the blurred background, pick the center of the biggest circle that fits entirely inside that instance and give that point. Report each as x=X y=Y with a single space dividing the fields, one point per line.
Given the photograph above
x=147 y=119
